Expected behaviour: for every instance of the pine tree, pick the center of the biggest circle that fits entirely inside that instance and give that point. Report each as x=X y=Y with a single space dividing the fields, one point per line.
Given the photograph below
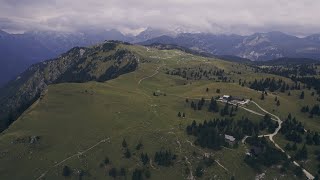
x=179 y=114
x=147 y=173
x=302 y=95
x=316 y=138
x=278 y=103
x=294 y=147
x=113 y=172
x=213 y=106
x=124 y=143
x=66 y=171
x=106 y=161
x=262 y=96
x=122 y=172
x=127 y=154
x=231 y=112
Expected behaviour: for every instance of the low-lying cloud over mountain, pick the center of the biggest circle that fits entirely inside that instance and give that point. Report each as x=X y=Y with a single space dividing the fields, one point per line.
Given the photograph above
x=214 y=16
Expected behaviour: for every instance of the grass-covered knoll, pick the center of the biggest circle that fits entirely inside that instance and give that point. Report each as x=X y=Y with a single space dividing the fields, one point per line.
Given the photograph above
x=89 y=121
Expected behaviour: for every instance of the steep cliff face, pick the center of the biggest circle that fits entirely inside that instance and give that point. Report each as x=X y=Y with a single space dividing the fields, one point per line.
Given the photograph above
x=98 y=63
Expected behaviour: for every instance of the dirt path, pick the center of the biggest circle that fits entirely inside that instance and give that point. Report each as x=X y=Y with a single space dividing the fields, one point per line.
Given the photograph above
x=191 y=177
x=74 y=155
x=155 y=73
x=308 y=175
x=276 y=118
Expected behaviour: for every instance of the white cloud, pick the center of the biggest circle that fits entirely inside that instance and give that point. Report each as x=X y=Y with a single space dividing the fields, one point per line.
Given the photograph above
x=216 y=16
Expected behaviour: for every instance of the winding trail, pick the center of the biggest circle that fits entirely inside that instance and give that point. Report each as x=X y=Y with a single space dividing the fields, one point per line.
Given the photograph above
x=275 y=118
x=155 y=73
x=72 y=156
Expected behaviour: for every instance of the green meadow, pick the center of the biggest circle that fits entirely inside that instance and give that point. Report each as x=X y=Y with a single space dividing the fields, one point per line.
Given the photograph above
x=80 y=124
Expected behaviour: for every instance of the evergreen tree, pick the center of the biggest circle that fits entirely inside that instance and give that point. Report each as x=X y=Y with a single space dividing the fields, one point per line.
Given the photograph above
x=124 y=143
x=262 y=96
x=137 y=174
x=218 y=91
x=225 y=110
x=139 y=146
x=127 y=154
x=106 y=161
x=199 y=171
x=147 y=173
x=316 y=138
x=294 y=147
x=113 y=172
x=278 y=103
x=309 y=139
x=302 y=95
x=179 y=114
x=302 y=153
x=66 y=171
x=144 y=158
x=122 y=172
x=231 y=112
x=213 y=106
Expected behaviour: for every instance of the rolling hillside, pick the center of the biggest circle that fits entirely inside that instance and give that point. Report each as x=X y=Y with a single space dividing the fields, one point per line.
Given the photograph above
x=103 y=110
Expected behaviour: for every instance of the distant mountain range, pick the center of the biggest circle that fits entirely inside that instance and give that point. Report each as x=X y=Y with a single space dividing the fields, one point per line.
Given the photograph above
x=19 y=51
x=256 y=47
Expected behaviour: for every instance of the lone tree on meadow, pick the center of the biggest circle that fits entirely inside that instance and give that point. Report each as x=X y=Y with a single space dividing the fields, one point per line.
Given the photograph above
x=66 y=171
x=278 y=103
x=302 y=95
x=124 y=143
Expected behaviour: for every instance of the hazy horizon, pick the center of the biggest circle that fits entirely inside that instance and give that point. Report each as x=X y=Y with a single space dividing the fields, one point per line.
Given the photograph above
x=244 y=17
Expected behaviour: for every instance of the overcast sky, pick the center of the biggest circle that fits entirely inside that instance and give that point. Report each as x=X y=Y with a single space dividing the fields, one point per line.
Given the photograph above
x=299 y=17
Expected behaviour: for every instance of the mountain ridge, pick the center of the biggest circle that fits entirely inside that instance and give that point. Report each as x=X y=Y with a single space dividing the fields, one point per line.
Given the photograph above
x=21 y=50
x=258 y=46
x=98 y=63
